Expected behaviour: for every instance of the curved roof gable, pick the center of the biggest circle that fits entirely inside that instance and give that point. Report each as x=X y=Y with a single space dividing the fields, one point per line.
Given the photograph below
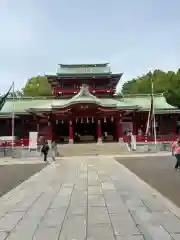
x=83 y=96
x=141 y=103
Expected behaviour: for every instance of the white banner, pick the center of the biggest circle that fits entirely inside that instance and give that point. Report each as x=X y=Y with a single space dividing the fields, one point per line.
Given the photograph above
x=33 y=137
x=133 y=142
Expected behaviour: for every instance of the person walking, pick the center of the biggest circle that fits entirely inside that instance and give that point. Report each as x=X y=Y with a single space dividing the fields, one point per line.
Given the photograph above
x=129 y=140
x=176 y=153
x=45 y=150
x=174 y=144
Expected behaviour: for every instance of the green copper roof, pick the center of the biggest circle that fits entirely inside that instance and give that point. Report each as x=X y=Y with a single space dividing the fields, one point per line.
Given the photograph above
x=84 y=65
x=144 y=101
x=21 y=106
x=26 y=105
x=83 y=69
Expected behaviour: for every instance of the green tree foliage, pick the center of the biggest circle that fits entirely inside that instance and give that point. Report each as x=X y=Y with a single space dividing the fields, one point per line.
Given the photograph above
x=164 y=82
x=37 y=86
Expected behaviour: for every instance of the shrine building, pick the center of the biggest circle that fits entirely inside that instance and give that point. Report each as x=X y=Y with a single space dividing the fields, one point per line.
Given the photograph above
x=85 y=108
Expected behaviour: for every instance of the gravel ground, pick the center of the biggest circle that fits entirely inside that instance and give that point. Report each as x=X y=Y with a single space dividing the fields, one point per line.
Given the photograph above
x=158 y=172
x=12 y=175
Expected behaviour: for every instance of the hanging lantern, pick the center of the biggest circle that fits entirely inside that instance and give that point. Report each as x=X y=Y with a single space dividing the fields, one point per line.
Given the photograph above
x=62 y=122
x=92 y=120
x=105 y=120
x=87 y=120
x=76 y=120
x=112 y=119
x=57 y=121
x=81 y=120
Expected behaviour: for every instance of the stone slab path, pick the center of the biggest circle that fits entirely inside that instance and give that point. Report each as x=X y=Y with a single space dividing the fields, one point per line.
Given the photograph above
x=87 y=198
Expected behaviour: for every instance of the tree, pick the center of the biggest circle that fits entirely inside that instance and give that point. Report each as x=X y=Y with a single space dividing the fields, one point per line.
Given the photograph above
x=173 y=92
x=164 y=82
x=37 y=86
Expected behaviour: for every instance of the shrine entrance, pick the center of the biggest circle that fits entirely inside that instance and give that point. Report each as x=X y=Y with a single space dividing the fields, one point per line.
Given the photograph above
x=109 y=130
x=60 y=130
x=127 y=126
x=84 y=130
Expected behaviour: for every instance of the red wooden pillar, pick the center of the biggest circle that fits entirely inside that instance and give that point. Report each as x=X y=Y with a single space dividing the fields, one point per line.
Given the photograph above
x=70 y=132
x=49 y=131
x=9 y=123
x=120 y=130
x=38 y=129
x=99 y=131
x=174 y=127
x=134 y=127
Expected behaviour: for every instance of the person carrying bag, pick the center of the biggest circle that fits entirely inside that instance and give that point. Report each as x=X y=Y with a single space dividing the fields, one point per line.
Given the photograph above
x=45 y=150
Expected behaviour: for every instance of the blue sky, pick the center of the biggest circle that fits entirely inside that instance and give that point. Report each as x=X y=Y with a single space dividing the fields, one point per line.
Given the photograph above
x=135 y=36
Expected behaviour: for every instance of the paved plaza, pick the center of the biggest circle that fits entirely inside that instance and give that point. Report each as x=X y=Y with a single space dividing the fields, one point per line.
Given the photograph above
x=90 y=198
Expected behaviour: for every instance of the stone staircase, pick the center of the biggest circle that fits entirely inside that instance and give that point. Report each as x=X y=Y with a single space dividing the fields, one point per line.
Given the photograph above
x=92 y=149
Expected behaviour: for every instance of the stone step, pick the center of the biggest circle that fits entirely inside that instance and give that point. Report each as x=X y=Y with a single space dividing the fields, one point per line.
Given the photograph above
x=92 y=149
x=86 y=149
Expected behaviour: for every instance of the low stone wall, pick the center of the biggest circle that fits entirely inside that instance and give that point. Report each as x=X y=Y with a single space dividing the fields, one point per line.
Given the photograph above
x=20 y=152
x=150 y=147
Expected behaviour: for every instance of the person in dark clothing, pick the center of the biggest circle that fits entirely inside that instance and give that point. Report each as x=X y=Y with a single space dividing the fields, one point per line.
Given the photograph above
x=45 y=150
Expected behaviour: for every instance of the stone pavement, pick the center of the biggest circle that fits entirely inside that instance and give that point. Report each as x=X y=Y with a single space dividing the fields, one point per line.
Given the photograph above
x=150 y=154
x=11 y=161
x=87 y=198
x=34 y=160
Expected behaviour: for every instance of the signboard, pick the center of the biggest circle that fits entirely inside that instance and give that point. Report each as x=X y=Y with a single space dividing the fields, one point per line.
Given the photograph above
x=33 y=137
x=133 y=142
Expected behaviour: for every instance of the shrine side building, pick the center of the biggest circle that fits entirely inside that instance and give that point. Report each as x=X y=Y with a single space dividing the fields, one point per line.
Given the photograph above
x=85 y=108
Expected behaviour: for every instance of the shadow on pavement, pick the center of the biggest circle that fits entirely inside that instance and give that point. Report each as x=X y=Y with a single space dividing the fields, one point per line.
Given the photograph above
x=13 y=175
x=158 y=172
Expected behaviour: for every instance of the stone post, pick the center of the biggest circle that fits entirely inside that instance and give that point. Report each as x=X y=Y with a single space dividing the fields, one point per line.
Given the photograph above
x=134 y=127
x=174 y=128
x=70 y=132
x=120 y=130
x=99 y=131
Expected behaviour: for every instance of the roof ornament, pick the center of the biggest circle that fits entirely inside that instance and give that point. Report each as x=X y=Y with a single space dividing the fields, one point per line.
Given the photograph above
x=84 y=92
